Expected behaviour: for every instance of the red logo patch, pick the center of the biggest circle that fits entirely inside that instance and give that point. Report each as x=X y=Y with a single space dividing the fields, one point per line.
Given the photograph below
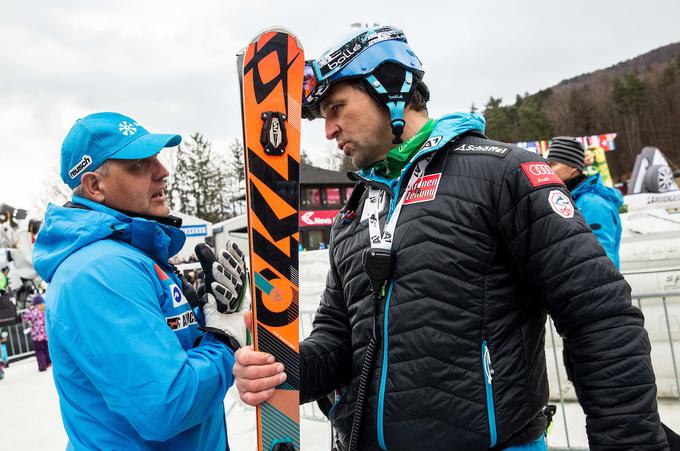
x=540 y=174
x=423 y=190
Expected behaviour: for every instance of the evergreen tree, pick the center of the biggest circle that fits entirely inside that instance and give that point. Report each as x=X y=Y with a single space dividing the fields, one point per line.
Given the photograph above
x=198 y=186
x=500 y=122
x=533 y=123
x=304 y=158
x=236 y=178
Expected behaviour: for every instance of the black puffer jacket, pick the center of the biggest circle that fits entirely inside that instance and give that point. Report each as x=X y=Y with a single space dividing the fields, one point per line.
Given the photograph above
x=477 y=268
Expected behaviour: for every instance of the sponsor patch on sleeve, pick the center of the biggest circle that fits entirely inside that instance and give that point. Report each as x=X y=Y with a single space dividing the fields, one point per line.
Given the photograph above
x=181 y=321
x=561 y=204
x=178 y=298
x=540 y=174
x=496 y=151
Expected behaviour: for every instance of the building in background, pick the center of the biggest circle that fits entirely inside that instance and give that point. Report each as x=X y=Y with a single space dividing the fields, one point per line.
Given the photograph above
x=322 y=195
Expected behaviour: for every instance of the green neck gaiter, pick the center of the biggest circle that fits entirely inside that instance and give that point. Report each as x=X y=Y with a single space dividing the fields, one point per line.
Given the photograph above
x=397 y=158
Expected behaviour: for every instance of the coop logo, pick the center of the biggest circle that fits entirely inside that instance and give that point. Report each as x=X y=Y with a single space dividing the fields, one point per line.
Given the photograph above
x=177 y=296
x=83 y=164
x=540 y=174
x=182 y=321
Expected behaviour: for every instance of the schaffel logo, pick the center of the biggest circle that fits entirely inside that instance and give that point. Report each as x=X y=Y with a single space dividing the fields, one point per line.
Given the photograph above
x=80 y=166
x=473 y=148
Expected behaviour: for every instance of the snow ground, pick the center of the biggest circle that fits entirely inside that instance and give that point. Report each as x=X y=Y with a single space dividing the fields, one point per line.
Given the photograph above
x=30 y=418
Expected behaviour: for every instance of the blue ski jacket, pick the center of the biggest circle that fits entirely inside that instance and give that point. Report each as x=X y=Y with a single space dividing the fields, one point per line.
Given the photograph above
x=599 y=205
x=122 y=335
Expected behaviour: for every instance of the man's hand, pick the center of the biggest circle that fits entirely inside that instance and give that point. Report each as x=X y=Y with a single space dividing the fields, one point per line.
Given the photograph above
x=256 y=373
x=225 y=289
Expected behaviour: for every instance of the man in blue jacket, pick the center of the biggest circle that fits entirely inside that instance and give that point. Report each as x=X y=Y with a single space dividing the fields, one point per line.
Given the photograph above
x=132 y=368
x=598 y=204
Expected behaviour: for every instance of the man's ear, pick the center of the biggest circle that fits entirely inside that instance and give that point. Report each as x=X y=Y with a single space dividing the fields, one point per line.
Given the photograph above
x=92 y=187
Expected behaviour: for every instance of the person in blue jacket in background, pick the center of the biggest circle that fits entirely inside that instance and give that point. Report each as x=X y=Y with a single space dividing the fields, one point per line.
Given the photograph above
x=598 y=204
x=132 y=367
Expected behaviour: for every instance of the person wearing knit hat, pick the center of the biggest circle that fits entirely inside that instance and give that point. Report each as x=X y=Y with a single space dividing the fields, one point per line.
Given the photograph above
x=599 y=204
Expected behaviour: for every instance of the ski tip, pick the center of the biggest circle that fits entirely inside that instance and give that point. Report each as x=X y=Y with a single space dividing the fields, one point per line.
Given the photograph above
x=277 y=29
x=241 y=52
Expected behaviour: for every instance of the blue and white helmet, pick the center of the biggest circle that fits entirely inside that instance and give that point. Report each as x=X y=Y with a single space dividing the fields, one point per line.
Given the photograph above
x=362 y=55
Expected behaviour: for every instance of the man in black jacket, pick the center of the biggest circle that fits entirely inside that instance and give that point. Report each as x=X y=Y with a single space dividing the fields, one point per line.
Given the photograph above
x=444 y=262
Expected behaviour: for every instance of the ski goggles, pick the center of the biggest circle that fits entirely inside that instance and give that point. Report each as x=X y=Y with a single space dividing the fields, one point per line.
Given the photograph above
x=313 y=89
x=347 y=61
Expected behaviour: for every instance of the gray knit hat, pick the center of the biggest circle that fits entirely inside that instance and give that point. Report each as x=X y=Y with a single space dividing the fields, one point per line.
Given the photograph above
x=567 y=150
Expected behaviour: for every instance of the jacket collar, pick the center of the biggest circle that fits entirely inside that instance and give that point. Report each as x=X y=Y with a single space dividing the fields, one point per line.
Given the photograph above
x=159 y=240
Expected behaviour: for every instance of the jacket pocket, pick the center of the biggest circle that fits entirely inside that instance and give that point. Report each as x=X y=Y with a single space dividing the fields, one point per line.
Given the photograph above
x=488 y=379
x=340 y=416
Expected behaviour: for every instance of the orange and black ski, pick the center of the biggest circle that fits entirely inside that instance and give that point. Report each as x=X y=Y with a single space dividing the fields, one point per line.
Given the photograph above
x=270 y=73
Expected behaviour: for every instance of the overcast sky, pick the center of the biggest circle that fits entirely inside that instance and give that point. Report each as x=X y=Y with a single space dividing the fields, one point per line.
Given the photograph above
x=170 y=64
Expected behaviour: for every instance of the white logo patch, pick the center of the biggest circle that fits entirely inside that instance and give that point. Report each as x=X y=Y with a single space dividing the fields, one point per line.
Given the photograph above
x=177 y=296
x=561 y=204
x=431 y=142
x=127 y=129
x=80 y=167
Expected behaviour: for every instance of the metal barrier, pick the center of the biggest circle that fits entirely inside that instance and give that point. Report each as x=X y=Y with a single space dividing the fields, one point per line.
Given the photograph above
x=309 y=411
x=662 y=321
x=19 y=344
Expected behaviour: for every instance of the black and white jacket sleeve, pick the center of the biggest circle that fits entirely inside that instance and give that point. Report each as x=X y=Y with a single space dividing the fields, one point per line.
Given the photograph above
x=606 y=346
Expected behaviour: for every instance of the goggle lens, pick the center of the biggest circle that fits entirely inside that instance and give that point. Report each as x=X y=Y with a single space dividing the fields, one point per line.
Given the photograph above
x=309 y=83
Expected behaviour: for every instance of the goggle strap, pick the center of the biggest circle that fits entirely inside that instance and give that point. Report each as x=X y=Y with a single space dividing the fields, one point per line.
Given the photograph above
x=396 y=109
x=375 y=83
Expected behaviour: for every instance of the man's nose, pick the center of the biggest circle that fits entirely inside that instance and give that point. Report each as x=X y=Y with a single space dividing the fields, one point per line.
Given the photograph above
x=332 y=129
x=159 y=169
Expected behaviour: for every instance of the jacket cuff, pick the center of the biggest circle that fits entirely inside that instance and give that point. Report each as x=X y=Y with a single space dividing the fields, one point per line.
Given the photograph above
x=222 y=336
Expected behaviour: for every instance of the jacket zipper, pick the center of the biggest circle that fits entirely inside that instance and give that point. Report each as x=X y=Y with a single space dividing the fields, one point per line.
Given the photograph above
x=488 y=378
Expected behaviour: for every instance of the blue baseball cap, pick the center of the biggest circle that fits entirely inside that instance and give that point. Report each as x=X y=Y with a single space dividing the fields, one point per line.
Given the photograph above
x=100 y=136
